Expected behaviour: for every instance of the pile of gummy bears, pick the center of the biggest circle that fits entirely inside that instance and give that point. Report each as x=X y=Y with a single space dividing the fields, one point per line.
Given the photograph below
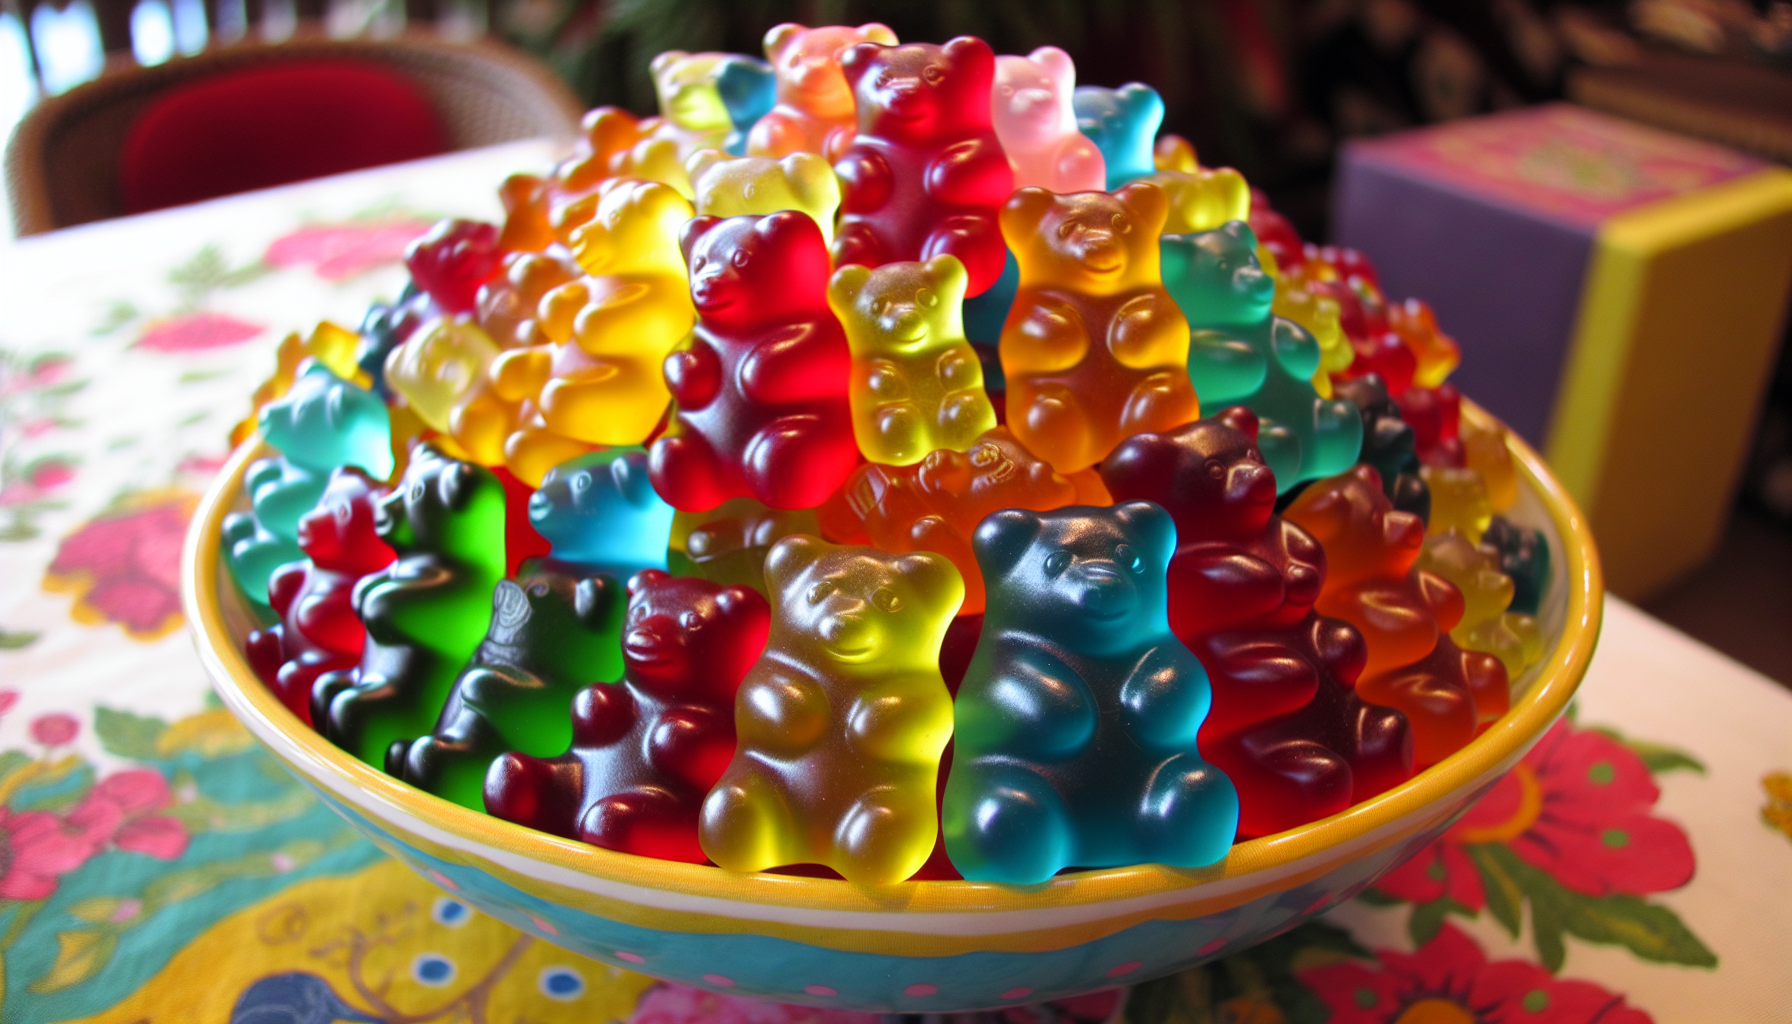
x=816 y=475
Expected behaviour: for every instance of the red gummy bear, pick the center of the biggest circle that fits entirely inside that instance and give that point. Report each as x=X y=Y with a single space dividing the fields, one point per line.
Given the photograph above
x=925 y=174
x=1436 y=418
x=452 y=260
x=762 y=388
x=318 y=631
x=1285 y=724
x=646 y=751
x=1405 y=615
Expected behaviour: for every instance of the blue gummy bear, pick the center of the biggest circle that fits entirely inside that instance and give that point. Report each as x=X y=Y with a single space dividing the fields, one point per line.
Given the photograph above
x=1075 y=725
x=1123 y=124
x=1240 y=353
x=749 y=89
x=324 y=422
x=281 y=493
x=601 y=515
x=252 y=553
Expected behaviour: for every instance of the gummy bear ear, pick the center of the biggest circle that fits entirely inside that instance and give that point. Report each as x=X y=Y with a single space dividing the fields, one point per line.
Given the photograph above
x=665 y=60
x=702 y=160
x=789 y=557
x=949 y=277
x=1026 y=208
x=780 y=38
x=1240 y=234
x=809 y=176
x=878 y=32
x=1143 y=104
x=1152 y=529
x=737 y=599
x=593 y=598
x=934 y=578
x=1147 y=202
x=629 y=473
x=456 y=486
x=1002 y=538
x=855 y=59
x=970 y=56
x=693 y=231
x=1242 y=420
x=1057 y=64
x=640 y=581
x=846 y=284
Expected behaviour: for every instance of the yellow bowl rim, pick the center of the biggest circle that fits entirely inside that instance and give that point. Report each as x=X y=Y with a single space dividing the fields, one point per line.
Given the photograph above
x=1267 y=857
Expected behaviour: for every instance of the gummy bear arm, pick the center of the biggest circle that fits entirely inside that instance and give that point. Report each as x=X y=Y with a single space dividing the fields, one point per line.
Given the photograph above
x=865 y=180
x=796 y=363
x=780 y=711
x=1225 y=369
x=388 y=604
x=1080 y=167
x=1166 y=696
x=1149 y=332
x=694 y=375
x=974 y=172
x=488 y=687
x=1049 y=338
x=776 y=135
x=521 y=373
x=640 y=315
x=907 y=718
x=285 y=584
x=1222 y=577
x=1034 y=702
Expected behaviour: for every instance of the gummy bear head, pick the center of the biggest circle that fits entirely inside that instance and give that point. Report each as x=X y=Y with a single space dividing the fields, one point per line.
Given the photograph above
x=920 y=92
x=997 y=472
x=1364 y=536
x=900 y=308
x=858 y=610
x=1091 y=579
x=685 y=84
x=325 y=421
x=1123 y=124
x=1215 y=276
x=1031 y=101
x=732 y=186
x=807 y=63
x=447 y=507
x=1096 y=243
x=688 y=636
x=439 y=365
x=338 y=533
x=552 y=621
x=1209 y=475
x=756 y=271
x=600 y=512
x=628 y=226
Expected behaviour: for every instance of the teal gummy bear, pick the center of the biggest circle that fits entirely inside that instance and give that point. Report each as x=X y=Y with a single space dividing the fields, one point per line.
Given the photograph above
x=1123 y=124
x=1076 y=722
x=325 y=422
x=258 y=542
x=749 y=89
x=601 y=514
x=1240 y=353
x=252 y=553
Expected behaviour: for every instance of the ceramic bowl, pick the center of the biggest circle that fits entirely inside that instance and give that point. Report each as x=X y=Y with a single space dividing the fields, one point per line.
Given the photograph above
x=916 y=947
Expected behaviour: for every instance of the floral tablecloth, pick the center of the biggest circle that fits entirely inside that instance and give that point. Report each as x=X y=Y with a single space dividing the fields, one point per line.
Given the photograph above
x=156 y=866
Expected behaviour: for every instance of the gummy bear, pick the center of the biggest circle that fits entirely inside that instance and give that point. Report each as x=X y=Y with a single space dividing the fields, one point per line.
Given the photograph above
x=1036 y=124
x=528 y=201
x=814 y=112
x=1484 y=450
x=614 y=143
x=324 y=422
x=1077 y=719
x=443 y=372
x=748 y=89
x=509 y=305
x=1094 y=350
x=1436 y=418
x=1201 y=198
x=452 y=260
x=1241 y=353
x=936 y=504
x=1459 y=502
x=843 y=720
x=761 y=185
x=599 y=383
x=1123 y=124
x=925 y=175
x=425 y=613
x=602 y=515
x=318 y=631
x=642 y=754
x=1447 y=694
x=384 y=328
x=1388 y=445
x=1286 y=726
x=916 y=384
x=691 y=109
x=552 y=633
x=761 y=389
x=1319 y=314
x=1524 y=556
x=1486 y=623
x=335 y=347
x=1435 y=354
x=728 y=544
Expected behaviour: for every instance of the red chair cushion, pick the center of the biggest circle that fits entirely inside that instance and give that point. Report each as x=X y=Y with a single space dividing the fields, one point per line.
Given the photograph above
x=266 y=126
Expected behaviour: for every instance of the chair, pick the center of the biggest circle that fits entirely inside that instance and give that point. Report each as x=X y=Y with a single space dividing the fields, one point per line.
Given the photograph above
x=66 y=162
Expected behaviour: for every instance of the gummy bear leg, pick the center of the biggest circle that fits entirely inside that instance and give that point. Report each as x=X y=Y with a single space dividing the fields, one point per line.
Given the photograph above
x=885 y=837
x=1282 y=781
x=1192 y=813
x=1281 y=453
x=606 y=406
x=454 y=767
x=1436 y=704
x=745 y=824
x=532 y=451
x=1005 y=823
x=797 y=461
x=651 y=823
x=1383 y=755
x=978 y=244
x=1337 y=438
x=686 y=472
x=1162 y=401
x=964 y=416
x=855 y=242
x=1053 y=426
x=898 y=438
x=536 y=793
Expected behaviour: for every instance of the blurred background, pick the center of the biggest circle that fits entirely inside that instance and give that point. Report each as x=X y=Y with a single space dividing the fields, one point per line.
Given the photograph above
x=1271 y=87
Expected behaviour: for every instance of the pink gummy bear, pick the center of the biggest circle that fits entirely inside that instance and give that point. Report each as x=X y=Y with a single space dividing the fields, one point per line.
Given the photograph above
x=1031 y=109
x=925 y=174
x=814 y=112
x=762 y=389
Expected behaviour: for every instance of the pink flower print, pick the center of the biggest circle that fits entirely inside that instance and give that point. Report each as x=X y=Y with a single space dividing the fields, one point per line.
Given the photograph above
x=56 y=729
x=125 y=566
x=36 y=848
x=681 y=1004
x=196 y=332
x=1449 y=981
x=340 y=251
x=39 y=478
x=7 y=699
x=121 y=809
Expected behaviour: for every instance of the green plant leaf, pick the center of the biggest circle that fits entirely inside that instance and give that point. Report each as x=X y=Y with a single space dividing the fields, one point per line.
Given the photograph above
x=12 y=761
x=1657 y=757
x=102 y=909
x=1505 y=900
x=1376 y=898
x=123 y=734
x=1651 y=931
x=79 y=955
x=1428 y=918
x=13 y=640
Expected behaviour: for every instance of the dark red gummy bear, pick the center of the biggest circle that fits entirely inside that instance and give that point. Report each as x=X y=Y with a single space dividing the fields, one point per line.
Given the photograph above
x=925 y=174
x=1436 y=418
x=452 y=260
x=761 y=391
x=1276 y=233
x=646 y=751
x=521 y=541
x=318 y=631
x=1285 y=724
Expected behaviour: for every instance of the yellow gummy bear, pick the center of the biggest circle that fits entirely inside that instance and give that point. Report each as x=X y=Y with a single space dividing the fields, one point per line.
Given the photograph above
x=728 y=186
x=916 y=384
x=841 y=723
x=1484 y=447
x=691 y=110
x=598 y=382
x=1320 y=315
x=442 y=371
x=1201 y=198
x=1458 y=502
x=1486 y=625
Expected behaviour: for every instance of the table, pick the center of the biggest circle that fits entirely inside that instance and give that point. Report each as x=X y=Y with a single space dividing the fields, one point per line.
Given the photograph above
x=155 y=866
